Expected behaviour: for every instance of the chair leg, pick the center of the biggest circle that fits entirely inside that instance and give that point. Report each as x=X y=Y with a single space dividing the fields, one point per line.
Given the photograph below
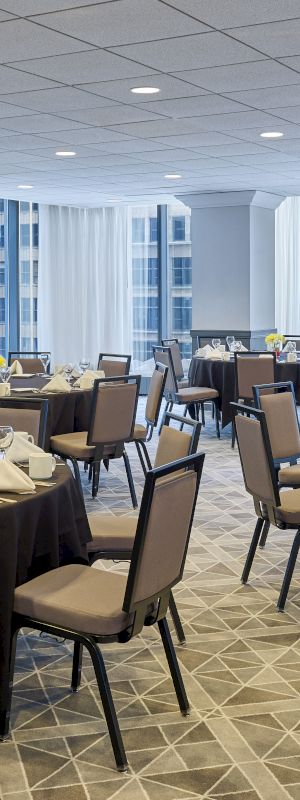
x=108 y=706
x=77 y=473
x=130 y=480
x=202 y=415
x=140 y=446
x=232 y=436
x=289 y=572
x=168 y=407
x=176 y=620
x=264 y=534
x=217 y=413
x=173 y=666
x=8 y=687
x=96 y=477
x=184 y=414
x=213 y=408
x=77 y=666
x=252 y=550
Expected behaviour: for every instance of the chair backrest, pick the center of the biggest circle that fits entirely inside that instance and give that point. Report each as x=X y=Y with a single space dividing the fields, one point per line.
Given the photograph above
x=281 y=417
x=162 y=536
x=155 y=394
x=255 y=454
x=114 y=364
x=25 y=415
x=176 y=356
x=253 y=368
x=113 y=410
x=163 y=355
x=30 y=362
x=173 y=443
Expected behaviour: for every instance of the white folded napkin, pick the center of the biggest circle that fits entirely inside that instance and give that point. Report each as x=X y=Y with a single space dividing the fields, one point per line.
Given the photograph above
x=16 y=368
x=203 y=352
x=13 y=479
x=75 y=373
x=87 y=379
x=57 y=384
x=21 y=449
x=243 y=349
x=214 y=354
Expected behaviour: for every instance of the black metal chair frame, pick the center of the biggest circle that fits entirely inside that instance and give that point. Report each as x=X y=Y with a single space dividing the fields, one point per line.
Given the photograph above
x=15 y=354
x=237 y=396
x=117 y=357
x=34 y=404
x=119 y=447
x=171 y=396
x=140 y=445
x=168 y=343
x=141 y=616
x=265 y=512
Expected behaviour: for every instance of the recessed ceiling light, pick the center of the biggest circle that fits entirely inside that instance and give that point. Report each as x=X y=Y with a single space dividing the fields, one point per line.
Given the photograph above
x=271 y=135
x=172 y=177
x=65 y=153
x=25 y=186
x=145 y=90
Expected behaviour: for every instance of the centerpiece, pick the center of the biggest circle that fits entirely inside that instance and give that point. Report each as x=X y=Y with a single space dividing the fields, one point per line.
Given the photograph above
x=274 y=342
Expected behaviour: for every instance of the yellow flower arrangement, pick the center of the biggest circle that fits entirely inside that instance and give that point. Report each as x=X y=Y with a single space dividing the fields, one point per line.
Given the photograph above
x=274 y=337
x=2 y=362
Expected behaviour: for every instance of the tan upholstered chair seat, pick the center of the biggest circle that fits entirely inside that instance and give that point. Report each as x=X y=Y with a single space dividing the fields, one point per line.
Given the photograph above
x=289 y=510
x=196 y=394
x=140 y=432
x=290 y=475
x=111 y=533
x=76 y=597
x=74 y=444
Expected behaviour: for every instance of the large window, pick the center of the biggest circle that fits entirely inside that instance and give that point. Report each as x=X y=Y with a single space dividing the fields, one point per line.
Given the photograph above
x=145 y=282
x=28 y=274
x=3 y=280
x=180 y=277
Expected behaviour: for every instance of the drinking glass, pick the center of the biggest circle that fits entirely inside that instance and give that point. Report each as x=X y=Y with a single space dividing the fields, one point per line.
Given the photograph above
x=216 y=343
x=44 y=358
x=230 y=340
x=6 y=438
x=237 y=345
x=68 y=369
x=5 y=373
x=84 y=364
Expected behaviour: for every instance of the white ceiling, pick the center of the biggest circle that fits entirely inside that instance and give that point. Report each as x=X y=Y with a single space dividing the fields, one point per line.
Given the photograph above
x=227 y=70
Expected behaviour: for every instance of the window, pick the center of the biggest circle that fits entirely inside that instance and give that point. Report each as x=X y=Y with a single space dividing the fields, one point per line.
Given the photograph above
x=153 y=229
x=25 y=273
x=182 y=314
x=1 y=235
x=34 y=309
x=2 y=345
x=2 y=309
x=138 y=229
x=182 y=271
x=2 y=275
x=25 y=344
x=25 y=235
x=35 y=234
x=145 y=313
x=28 y=272
x=35 y=268
x=178 y=228
x=25 y=310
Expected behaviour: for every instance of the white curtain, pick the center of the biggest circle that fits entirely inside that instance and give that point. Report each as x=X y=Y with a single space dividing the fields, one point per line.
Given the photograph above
x=287 y=266
x=85 y=291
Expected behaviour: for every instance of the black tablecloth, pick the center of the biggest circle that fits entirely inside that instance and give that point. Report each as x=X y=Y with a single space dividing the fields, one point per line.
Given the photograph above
x=38 y=533
x=220 y=375
x=67 y=411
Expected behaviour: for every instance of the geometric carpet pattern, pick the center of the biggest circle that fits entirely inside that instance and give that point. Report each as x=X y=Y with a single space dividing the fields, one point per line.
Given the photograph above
x=241 y=669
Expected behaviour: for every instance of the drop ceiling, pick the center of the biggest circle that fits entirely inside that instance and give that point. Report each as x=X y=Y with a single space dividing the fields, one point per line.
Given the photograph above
x=227 y=70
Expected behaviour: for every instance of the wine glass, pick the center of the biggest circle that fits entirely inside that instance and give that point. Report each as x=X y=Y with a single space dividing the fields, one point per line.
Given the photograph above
x=84 y=364
x=44 y=358
x=230 y=340
x=5 y=373
x=216 y=343
x=68 y=368
x=6 y=438
x=238 y=345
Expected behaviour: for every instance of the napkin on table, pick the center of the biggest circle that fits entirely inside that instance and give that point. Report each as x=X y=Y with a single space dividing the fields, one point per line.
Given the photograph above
x=12 y=479
x=57 y=384
x=203 y=352
x=21 y=449
x=87 y=379
x=214 y=354
x=16 y=368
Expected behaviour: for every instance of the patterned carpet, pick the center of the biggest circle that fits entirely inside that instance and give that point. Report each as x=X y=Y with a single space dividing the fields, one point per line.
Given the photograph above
x=241 y=668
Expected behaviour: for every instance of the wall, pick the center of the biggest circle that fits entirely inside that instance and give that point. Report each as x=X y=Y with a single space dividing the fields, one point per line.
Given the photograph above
x=262 y=268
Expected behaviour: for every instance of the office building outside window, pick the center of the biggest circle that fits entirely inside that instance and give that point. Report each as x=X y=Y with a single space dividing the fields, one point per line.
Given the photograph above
x=28 y=274
x=144 y=281
x=3 y=282
x=180 y=277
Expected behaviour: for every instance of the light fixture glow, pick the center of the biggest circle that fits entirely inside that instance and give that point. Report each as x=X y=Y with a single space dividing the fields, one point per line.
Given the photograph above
x=172 y=177
x=145 y=90
x=65 y=153
x=25 y=186
x=271 y=135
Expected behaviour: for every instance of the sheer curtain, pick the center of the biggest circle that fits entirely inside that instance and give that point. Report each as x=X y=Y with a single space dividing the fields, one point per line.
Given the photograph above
x=287 y=266
x=85 y=291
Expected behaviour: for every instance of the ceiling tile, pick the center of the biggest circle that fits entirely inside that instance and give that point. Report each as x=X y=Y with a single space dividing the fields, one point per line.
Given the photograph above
x=195 y=140
x=269 y=98
x=293 y=62
x=8 y=110
x=112 y=115
x=59 y=99
x=24 y=8
x=13 y=80
x=5 y=16
x=221 y=14
x=194 y=106
x=21 y=39
x=235 y=77
x=122 y=22
x=38 y=122
x=189 y=52
x=168 y=153
x=120 y=90
x=130 y=146
x=276 y=39
x=237 y=148
x=89 y=136
x=25 y=141
x=83 y=67
x=289 y=113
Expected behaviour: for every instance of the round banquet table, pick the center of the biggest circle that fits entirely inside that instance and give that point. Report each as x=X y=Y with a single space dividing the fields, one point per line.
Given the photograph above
x=220 y=375
x=67 y=411
x=38 y=532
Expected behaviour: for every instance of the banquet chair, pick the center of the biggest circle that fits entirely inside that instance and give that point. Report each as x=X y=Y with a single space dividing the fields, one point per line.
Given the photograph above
x=144 y=433
x=114 y=364
x=113 y=537
x=250 y=369
x=173 y=344
x=25 y=415
x=92 y=607
x=111 y=424
x=197 y=395
x=30 y=362
x=277 y=507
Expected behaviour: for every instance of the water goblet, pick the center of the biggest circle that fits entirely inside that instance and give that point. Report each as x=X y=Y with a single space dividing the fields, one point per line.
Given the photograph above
x=6 y=438
x=230 y=340
x=84 y=364
x=44 y=358
x=216 y=343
